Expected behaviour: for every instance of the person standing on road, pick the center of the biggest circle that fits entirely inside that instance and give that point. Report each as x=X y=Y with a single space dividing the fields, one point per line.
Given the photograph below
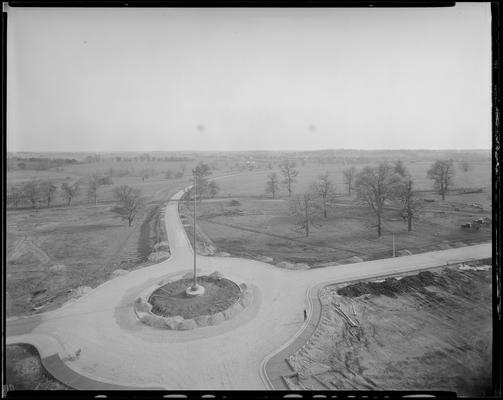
x=305 y=314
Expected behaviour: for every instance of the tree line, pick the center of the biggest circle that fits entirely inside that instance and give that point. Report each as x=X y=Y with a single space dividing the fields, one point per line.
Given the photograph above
x=375 y=186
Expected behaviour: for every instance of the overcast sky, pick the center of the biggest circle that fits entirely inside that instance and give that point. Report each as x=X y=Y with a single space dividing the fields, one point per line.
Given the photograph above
x=249 y=79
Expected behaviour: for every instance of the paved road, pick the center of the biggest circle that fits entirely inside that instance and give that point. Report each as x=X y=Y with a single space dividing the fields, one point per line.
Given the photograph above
x=117 y=349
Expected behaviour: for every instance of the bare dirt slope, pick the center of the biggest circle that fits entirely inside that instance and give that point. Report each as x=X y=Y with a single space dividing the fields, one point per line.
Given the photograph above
x=431 y=331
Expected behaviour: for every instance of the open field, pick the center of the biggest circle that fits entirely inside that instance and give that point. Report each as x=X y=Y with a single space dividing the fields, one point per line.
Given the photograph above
x=54 y=254
x=260 y=226
x=265 y=227
x=434 y=333
x=57 y=253
x=253 y=183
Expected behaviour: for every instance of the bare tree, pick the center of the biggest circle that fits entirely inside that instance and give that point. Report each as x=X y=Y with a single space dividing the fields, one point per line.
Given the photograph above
x=31 y=192
x=15 y=195
x=349 y=176
x=306 y=211
x=400 y=169
x=464 y=166
x=205 y=188
x=70 y=191
x=129 y=202
x=145 y=174
x=326 y=191
x=410 y=203
x=47 y=190
x=289 y=173
x=213 y=189
x=442 y=173
x=375 y=185
x=94 y=182
x=272 y=185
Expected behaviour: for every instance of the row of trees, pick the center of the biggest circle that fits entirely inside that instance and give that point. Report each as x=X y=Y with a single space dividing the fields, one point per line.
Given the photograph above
x=289 y=172
x=374 y=185
x=129 y=200
x=36 y=192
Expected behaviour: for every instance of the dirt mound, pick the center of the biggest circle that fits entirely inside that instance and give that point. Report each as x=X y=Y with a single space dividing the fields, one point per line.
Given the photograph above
x=158 y=256
x=81 y=291
x=161 y=246
x=118 y=272
x=265 y=259
x=392 y=286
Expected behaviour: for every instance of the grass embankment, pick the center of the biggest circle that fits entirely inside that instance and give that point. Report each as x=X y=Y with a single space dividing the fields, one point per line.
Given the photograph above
x=24 y=370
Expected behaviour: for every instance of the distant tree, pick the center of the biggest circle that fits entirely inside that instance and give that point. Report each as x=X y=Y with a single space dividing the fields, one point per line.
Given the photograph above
x=94 y=182
x=272 y=185
x=145 y=174
x=70 y=191
x=118 y=158
x=324 y=188
x=306 y=210
x=411 y=205
x=442 y=173
x=375 y=185
x=129 y=202
x=179 y=174
x=400 y=169
x=269 y=165
x=289 y=173
x=21 y=165
x=15 y=195
x=205 y=188
x=213 y=189
x=349 y=176
x=202 y=170
x=42 y=164
x=31 y=192
x=47 y=190
x=464 y=166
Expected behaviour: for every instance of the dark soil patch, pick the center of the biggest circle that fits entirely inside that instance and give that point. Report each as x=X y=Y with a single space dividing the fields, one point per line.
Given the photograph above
x=24 y=370
x=392 y=286
x=171 y=299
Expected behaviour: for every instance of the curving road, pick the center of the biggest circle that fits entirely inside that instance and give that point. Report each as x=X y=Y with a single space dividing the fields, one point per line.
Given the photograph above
x=118 y=350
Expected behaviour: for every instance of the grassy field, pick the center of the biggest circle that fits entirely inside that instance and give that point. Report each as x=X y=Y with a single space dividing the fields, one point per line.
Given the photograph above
x=263 y=227
x=24 y=371
x=53 y=251
x=429 y=335
x=253 y=183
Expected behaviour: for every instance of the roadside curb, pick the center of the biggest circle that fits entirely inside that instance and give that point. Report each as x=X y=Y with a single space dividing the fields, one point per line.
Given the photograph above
x=56 y=367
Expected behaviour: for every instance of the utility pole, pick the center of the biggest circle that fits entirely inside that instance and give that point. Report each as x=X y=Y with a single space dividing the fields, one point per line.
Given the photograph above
x=394 y=244
x=194 y=286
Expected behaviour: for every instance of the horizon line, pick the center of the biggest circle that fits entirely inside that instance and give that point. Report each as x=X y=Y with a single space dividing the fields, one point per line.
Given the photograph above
x=242 y=151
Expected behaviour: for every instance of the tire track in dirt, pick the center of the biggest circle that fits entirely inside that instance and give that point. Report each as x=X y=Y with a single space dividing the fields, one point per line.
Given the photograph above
x=243 y=228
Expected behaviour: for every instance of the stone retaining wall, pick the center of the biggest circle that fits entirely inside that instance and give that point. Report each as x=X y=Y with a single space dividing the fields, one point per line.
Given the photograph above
x=143 y=310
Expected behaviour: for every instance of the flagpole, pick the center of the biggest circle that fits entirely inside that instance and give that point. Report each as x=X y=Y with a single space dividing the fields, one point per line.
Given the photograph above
x=195 y=198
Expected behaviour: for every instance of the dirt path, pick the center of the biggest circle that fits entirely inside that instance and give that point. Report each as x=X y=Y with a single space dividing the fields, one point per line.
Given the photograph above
x=117 y=349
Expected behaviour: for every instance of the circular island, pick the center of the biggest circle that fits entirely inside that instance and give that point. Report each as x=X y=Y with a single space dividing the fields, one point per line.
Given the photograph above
x=169 y=306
